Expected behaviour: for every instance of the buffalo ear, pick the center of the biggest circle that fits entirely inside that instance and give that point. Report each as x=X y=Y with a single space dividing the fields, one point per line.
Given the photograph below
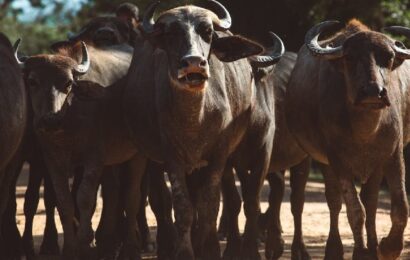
x=235 y=47
x=88 y=90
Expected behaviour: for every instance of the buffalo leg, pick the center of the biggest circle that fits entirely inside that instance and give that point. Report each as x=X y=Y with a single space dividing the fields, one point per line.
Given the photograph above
x=49 y=245
x=31 y=200
x=391 y=246
x=369 y=195
x=231 y=210
x=334 y=246
x=9 y=227
x=298 y=178
x=355 y=210
x=8 y=177
x=184 y=213
x=251 y=197
x=78 y=177
x=86 y=201
x=208 y=197
x=106 y=236
x=135 y=173
x=59 y=171
x=275 y=243
x=161 y=204
x=148 y=246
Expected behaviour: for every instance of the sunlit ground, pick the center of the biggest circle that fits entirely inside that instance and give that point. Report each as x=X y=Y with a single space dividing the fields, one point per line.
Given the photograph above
x=315 y=221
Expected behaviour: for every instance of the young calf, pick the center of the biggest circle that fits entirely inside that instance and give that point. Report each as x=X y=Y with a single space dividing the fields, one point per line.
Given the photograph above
x=77 y=126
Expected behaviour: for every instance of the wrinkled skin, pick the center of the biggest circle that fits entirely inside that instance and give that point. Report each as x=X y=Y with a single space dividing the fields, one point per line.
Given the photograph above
x=357 y=135
x=190 y=121
x=13 y=116
x=286 y=153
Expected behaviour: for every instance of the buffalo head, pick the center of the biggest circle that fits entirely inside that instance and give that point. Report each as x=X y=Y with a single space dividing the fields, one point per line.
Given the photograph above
x=365 y=58
x=129 y=13
x=189 y=36
x=51 y=82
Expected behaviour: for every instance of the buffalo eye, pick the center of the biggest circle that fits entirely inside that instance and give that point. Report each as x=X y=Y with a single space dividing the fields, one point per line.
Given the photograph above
x=385 y=59
x=205 y=30
x=31 y=82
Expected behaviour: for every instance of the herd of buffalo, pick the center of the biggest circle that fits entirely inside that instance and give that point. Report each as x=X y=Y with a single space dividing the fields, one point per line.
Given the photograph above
x=126 y=100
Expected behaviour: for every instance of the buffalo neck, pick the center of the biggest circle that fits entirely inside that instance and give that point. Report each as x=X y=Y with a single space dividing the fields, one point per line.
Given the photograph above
x=187 y=110
x=365 y=123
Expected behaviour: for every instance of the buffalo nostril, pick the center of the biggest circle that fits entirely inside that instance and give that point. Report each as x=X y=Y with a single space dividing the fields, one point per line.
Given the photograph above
x=202 y=63
x=193 y=61
x=184 y=63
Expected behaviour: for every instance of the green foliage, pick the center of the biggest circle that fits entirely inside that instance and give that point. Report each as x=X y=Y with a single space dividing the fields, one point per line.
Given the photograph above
x=36 y=37
x=396 y=12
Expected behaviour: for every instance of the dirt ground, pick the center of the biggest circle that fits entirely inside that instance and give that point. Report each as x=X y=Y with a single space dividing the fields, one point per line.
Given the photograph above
x=315 y=221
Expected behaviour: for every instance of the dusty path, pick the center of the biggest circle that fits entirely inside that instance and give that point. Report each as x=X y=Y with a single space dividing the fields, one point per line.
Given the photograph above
x=315 y=221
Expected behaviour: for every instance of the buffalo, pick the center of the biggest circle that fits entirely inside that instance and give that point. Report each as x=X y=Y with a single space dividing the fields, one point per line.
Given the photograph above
x=13 y=117
x=61 y=120
x=189 y=100
x=347 y=106
x=286 y=153
x=101 y=33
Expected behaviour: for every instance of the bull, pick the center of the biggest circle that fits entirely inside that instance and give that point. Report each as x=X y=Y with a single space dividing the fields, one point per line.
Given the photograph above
x=286 y=153
x=189 y=100
x=347 y=106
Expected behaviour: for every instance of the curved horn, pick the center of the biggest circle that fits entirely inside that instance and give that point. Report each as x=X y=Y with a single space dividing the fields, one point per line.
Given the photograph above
x=273 y=54
x=82 y=68
x=16 y=49
x=225 y=20
x=148 y=20
x=399 y=48
x=311 y=41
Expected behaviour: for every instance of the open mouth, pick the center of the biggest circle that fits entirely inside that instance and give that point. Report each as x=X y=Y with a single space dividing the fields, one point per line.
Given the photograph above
x=368 y=105
x=193 y=79
x=373 y=103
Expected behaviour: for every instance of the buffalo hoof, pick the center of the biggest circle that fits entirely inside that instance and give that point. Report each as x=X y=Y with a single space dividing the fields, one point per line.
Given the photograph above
x=14 y=254
x=130 y=251
x=362 y=254
x=88 y=252
x=232 y=250
x=50 y=247
x=299 y=252
x=149 y=247
x=185 y=254
x=390 y=249
x=222 y=230
x=69 y=254
x=262 y=226
x=222 y=236
x=334 y=248
x=249 y=252
x=166 y=241
x=274 y=247
x=28 y=247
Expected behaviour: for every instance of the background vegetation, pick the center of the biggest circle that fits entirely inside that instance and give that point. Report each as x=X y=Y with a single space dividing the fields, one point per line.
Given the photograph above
x=40 y=22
